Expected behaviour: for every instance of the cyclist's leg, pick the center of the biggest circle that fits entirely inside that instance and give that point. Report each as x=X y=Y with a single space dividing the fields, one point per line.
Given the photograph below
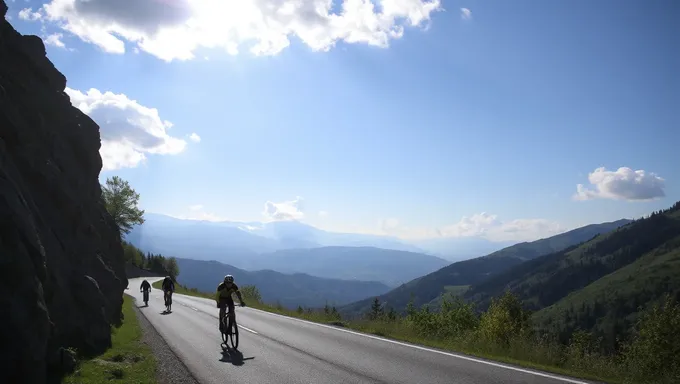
x=222 y=313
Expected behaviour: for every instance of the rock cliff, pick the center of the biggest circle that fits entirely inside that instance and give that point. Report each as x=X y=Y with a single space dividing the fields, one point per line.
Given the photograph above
x=62 y=273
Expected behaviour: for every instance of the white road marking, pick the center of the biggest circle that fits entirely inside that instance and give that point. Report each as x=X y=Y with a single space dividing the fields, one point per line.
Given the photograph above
x=247 y=329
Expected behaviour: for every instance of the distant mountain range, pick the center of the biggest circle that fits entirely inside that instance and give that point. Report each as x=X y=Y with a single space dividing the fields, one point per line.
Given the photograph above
x=219 y=238
x=161 y=233
x=457 y=277
x=288 y=247
x=290 y=290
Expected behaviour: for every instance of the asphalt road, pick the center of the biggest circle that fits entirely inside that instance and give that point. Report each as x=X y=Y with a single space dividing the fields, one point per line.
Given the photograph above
x=279 y=349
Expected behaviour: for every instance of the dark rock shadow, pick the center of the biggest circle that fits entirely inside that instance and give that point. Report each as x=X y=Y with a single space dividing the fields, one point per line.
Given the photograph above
x=234 y=356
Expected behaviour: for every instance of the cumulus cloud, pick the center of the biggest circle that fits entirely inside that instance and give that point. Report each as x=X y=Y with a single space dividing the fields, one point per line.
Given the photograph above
x=482 y=225
x=55 y=39
x=195 y=138
x=287 y=210
x=29 y=15
x=622 y=184
x=128 y=129
x=174 y=29
x=465 y=14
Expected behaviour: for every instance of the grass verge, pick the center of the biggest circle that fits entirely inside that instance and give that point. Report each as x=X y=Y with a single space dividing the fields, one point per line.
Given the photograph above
x=127 y=361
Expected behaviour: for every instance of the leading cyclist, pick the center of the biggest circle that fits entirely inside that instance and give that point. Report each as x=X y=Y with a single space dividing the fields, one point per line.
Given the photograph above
x=224 y=299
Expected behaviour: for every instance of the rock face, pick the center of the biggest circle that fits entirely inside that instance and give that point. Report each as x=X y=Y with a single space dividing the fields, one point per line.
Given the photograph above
x=62 y=273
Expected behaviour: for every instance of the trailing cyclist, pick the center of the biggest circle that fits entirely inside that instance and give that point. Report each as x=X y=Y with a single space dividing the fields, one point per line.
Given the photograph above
x=224 y=299
x=145 y=287
x=168 y=287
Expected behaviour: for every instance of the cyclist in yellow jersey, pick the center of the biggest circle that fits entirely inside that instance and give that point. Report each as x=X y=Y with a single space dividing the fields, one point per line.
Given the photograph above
x=224 y=299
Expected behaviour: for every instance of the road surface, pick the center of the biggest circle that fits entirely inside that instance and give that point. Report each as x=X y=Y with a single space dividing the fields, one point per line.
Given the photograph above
x=279 y=349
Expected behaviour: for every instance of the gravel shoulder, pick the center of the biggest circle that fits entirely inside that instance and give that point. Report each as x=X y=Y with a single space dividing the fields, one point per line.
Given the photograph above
x=170 y=369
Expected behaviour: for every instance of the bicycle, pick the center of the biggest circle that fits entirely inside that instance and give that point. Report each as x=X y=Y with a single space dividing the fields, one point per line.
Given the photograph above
x=227 y=334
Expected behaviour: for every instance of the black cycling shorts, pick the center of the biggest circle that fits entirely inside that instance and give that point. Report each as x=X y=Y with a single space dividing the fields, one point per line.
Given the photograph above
x=229 y=303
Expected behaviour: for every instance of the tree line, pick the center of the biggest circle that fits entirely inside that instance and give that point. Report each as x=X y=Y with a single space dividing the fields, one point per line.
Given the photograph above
x=121 y=202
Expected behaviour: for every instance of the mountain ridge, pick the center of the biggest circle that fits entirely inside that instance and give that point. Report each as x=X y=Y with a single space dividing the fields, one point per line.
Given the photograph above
x=430 y=287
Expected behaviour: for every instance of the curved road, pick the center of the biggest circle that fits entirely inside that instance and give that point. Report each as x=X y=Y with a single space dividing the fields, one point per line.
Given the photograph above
x=279 y=349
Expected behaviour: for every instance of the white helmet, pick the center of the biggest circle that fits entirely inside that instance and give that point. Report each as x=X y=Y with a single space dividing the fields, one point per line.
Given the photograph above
x=228 y=279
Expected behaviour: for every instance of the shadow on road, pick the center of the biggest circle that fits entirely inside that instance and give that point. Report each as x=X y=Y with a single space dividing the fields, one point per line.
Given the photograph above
x=234 y=356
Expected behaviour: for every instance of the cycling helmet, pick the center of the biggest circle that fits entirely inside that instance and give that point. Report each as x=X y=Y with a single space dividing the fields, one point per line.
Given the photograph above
x=228 y=279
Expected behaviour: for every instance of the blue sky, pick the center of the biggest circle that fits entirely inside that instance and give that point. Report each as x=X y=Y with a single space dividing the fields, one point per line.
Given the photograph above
x=482 y=119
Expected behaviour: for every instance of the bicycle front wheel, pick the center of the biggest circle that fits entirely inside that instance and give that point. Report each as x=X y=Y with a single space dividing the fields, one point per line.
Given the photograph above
x=232 y=328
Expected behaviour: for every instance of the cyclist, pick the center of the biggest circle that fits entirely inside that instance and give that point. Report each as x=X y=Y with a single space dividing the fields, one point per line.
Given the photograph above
x=224 y=299
x=145 y=287
x=168 y=288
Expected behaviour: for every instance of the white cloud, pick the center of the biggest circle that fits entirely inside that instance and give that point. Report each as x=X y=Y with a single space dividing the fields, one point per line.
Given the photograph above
x=195 y=138
x=128 y=129
x=622 y=184
x=483 y=225
x=287 y=210
x=55 y=39
x=196 y=207
x=174 y=29
x=465 y=14
x=29 y=15
x=323 y=214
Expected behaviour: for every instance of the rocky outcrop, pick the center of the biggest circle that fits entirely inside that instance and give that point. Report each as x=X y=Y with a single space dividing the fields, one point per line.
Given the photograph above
x=62 y=272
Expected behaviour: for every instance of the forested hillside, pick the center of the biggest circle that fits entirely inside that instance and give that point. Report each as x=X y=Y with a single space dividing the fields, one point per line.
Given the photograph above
x=599 y=285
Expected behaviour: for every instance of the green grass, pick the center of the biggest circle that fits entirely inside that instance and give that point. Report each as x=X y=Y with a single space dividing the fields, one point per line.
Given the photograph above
x=521 y=352
x=128 y=361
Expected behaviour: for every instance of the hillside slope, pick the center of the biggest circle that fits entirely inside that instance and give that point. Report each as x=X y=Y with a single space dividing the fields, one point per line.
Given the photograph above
x=469 y=272
x=290 y=290
x=600 y=284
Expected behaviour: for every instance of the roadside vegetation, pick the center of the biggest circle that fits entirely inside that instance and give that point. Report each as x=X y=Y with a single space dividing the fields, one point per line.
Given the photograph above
x=129 y=360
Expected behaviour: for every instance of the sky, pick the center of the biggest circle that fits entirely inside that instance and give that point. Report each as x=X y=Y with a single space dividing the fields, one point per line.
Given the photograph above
x=509 y=120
